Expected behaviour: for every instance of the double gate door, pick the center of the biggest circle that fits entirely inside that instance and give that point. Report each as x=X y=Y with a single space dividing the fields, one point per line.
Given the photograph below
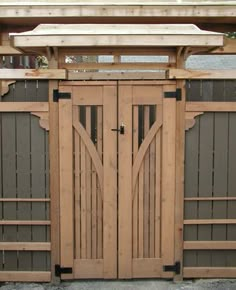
x=117 y=179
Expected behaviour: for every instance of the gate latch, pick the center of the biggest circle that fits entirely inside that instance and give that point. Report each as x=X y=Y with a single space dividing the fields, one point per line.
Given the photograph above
x=121 y=129
x=172 y=268
x=62 y=270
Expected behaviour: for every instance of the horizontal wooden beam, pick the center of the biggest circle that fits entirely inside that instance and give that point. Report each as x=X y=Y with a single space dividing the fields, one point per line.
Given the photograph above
x=209 y=221
x=25 y=276
x=209 y=272
x=33 y=42
x=24 y=223
x=24 y=199
x=116 y=76
x=24 y=107
x=219 y=198
x=25 y=246
x=131 y=9
x=9 y=50
x=201 y=74
x=210 y=245
x=210 y=107
x=117 y=66
x=16 y=74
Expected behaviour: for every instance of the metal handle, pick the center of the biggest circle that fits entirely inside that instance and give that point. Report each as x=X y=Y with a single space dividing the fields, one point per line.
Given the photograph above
x=121 y=129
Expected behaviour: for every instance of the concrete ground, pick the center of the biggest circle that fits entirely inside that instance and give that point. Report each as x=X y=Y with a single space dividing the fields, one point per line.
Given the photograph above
x=217 y=284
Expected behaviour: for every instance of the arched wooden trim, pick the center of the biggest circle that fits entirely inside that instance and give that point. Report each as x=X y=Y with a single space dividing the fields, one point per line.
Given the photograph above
x=91 y=149
x=44 y=119
x=190 y=119
x=143 y=148
x=5 y=86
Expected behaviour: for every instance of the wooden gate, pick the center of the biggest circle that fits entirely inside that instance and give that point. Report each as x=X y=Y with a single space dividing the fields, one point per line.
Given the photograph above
x=117 y=178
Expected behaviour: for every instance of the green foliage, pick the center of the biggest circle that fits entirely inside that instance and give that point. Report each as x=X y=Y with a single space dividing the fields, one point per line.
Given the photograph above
x=231 y=34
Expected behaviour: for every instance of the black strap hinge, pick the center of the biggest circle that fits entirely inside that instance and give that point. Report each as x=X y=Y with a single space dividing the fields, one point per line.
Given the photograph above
x=173 y=268
x=58 y=95
x=62 y=270
x=175 y=94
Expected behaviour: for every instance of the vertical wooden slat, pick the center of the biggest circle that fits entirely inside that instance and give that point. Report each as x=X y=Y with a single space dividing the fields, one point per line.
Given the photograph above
x=99 y=193
x=94 y=192
x=158 y=149
x=220 y=179
x=110 y=181
x=66 y=182
x=88 y=189
x=23 y=184
x=141 y=191
x=83 y=202
x=168 y=178
x=146 y=187
x=125 y=185
x=38 y=189
x=152 y=174
x=135 y=190
x=9 y=185
x=205 y=182
x=77 y=186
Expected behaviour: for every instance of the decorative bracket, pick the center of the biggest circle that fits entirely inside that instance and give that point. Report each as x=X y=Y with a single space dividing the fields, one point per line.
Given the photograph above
x=4 y=86
x=190 y=119
x=44 y=119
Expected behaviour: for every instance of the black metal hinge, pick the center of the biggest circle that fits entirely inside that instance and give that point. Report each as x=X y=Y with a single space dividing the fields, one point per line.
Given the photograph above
x=173 y=268
x=175 y=95
x=62 y=270
x=58 y=95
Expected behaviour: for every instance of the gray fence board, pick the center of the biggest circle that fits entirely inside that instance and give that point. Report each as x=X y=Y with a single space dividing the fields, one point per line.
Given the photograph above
x=38 y=189
x=9 y=184
x=23 y=184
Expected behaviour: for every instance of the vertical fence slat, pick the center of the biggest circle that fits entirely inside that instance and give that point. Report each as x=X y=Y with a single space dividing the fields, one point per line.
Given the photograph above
x=99 y=193
x=23 y=184
x=231 y=229
x=146 y=186
x=77 y=186
x=88 y=189
x=220 y=183
x=83 y=202
x=152 y=162
x=205 y=182
x=158 y=149
x=38 y=189
x=135 y=190
x=9 y=184
x=94 y=189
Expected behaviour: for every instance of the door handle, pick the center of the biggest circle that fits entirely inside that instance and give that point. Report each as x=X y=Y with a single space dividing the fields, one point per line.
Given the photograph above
x=121 y=129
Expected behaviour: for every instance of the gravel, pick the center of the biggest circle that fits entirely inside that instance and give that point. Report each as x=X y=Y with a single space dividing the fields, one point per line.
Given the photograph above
x=216 y=284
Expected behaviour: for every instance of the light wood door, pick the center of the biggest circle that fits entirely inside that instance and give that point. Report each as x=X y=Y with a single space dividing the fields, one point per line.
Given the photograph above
x=88 y=180
x=117 y=188
x=146 y=179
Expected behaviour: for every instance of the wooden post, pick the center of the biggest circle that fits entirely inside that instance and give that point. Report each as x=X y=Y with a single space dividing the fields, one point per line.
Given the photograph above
x=66 y=185
x=54 y=175
x=168 y=177
x=179 y=199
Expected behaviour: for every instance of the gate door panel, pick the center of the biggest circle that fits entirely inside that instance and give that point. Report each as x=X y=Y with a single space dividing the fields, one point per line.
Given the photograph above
x=117 y=164
x=88 y=160
x=146 y=180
